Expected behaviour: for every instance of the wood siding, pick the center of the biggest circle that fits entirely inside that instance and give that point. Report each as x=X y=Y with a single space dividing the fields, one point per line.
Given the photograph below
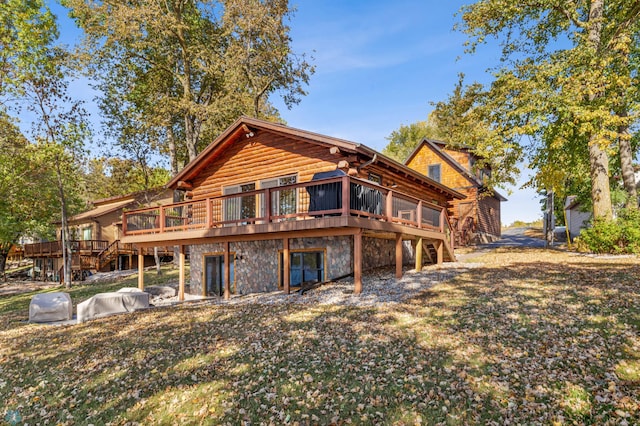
x=489 y=216
x=450 y=176
x=484 y=210
x=267 y=156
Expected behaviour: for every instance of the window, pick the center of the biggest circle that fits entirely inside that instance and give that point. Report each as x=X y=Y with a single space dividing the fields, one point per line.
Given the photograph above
x=238 y=208
x=284 y=201
x=86 y=233
x=434 y=172
x=305 y=267
x=373 y=177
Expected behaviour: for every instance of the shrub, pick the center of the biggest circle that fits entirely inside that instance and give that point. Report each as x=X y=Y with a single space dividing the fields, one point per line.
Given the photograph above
x=621 y=235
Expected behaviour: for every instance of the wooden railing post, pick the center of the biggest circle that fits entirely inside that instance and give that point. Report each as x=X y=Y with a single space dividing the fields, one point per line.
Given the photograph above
x=442 y=218
x=419 y=214
x=388 y=208
x=162 y=218
x=346 y=192
x=267 y=205
x=124 y=223
x=209 y=213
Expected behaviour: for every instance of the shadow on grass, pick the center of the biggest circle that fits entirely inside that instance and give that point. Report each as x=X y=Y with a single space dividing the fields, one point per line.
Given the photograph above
x=533 y=342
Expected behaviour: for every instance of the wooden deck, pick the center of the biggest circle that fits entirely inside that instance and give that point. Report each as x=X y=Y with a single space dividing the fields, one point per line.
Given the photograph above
x=335 y=206
x=91 y=255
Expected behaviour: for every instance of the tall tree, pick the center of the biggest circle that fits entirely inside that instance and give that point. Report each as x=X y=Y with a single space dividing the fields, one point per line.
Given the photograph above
x=469 y=118
x=466 y=119
x=406 y=138
x=26 y=206
x=110 y=177
x=185 y=68
x=259 y=55
x=564 y=59
x=33 y=78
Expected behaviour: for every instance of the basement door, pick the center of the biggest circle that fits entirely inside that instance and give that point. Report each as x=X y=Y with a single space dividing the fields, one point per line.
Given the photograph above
x=214 y=275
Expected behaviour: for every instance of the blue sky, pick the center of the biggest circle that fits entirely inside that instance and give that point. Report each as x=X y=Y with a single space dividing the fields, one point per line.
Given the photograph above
x=379 y=64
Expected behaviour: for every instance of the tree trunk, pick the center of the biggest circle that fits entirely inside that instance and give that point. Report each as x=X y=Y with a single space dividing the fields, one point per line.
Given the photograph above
x=191 y=139
x=3 y=264
x=173 y=154
x=598 y=157
x=66 y=244
x=156 y=257
x=600 y=191
x=626 y=165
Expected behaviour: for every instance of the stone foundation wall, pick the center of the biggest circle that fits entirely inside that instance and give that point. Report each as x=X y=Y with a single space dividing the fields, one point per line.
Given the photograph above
x=377 y=252
x=257 y=262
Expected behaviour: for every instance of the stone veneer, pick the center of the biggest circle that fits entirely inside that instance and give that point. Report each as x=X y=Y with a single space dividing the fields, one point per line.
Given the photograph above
x=257 y=262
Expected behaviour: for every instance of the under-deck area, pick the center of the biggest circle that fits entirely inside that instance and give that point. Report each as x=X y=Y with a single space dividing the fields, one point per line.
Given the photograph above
x=334 y=207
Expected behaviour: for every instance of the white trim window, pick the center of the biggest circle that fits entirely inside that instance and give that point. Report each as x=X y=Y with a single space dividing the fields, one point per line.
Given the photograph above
x=238 y=208
x=284 y=201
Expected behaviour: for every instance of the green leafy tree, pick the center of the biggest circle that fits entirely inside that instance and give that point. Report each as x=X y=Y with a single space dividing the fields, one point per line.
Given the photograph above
x=186 y=69
x=34 y=79
x=25 y=191
x=406 y=138
x=466 y=119
x=110 y=177
x=469 y=118
x=564 y=62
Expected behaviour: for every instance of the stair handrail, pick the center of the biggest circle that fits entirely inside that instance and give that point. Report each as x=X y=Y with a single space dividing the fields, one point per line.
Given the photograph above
x=106 y=254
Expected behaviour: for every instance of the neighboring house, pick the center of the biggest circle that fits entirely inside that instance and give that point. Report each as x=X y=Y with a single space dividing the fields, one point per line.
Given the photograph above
x=16 y=253
x=476 y=217
x=576 y=219
x=95 y=237
x=272 y=207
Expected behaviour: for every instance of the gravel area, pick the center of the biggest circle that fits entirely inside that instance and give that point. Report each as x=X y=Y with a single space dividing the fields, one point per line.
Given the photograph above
x=378 y=286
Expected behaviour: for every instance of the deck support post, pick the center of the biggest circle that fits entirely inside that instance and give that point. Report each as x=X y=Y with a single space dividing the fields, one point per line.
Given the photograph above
x=140 y=270
x=227 y=272
x=181 y=273
x=357 y=262
x=286 y=264
x=419 y=254
x=398 y=256
x=439 y=251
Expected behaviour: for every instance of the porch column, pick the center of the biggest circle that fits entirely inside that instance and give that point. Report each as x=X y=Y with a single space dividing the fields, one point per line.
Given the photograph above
x=419 y=254
x=227 y=272
x=140 y=269
x=181 y=274
x=439 y=251
x=398 y=256
x=286 y=265
x=357 y=262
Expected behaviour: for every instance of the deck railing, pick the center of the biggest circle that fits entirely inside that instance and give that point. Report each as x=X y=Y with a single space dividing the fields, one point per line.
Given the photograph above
x=341 y=196
x=54 y=248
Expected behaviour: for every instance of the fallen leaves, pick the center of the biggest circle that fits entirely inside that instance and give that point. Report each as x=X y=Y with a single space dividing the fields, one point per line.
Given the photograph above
x=529 y=337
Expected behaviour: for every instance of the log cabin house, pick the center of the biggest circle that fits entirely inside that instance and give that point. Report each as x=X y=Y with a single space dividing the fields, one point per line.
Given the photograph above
x=272 y=207
x=95 y=237
x=475 y=218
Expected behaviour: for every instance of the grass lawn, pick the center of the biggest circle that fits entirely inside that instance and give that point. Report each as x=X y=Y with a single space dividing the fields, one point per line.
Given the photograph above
x=532 y=337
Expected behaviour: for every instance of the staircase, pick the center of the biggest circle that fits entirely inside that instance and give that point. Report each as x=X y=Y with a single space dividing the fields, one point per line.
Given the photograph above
x=109 y=254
